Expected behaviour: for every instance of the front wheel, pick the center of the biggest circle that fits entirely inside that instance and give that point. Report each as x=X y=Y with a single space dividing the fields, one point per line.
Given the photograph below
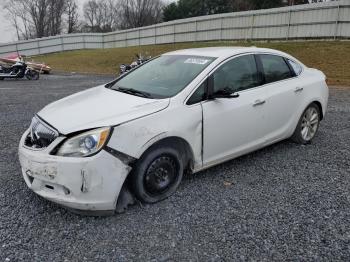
x=157 y=175
x=32 y=75
x=308 y=125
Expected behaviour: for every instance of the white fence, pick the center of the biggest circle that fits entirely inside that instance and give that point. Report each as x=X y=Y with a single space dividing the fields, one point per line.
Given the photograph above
x=313 y=21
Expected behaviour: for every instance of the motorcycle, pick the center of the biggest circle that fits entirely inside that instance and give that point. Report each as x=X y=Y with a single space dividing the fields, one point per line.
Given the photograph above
x=124 y=68
x=18 y=70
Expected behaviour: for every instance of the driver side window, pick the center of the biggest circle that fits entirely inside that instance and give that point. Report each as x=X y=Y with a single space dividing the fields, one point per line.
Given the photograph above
x=236 y=75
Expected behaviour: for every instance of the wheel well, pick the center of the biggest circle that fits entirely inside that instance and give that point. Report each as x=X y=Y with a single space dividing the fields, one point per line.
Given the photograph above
x=179 y=144
x=319 y=107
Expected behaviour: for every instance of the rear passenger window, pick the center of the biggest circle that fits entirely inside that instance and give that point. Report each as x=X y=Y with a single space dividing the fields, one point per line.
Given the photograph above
x=275 y=68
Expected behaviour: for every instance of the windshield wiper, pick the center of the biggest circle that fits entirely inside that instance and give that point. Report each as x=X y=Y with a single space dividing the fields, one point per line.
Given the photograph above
x=132 y=91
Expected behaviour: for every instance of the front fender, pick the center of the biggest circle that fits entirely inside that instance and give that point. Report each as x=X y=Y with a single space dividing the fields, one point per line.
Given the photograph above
x=135 y=137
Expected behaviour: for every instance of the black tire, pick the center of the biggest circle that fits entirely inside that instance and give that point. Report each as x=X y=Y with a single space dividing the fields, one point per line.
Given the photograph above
x=157 y=174
x=32 y=75
x=297 y=136
x=36 y=75
x=1 y=78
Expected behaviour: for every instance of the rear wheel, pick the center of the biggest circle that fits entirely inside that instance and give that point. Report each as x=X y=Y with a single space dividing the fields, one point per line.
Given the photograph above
x=308 y=125
x=157 y=175
x=1 y=78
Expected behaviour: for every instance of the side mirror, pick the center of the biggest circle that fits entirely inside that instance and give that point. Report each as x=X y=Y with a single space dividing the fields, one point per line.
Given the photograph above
x=225 y=94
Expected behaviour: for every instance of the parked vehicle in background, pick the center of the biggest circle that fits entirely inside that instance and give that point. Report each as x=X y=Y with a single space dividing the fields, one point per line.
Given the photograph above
x=183 y=111
x=140 y=60
x=14 y=58
x=18 y=70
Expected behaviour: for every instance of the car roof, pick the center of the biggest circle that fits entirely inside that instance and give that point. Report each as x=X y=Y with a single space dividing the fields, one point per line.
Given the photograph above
x=222 y=52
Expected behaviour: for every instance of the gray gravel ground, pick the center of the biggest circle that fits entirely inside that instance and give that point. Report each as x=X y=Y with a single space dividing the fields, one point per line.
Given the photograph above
x=285 y=202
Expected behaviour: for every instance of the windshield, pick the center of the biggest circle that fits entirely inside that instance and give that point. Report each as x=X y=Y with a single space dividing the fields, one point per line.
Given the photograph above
x=164 y=76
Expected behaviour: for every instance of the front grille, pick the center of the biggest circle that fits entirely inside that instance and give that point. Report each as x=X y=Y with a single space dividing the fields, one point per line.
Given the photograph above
x=41 y=135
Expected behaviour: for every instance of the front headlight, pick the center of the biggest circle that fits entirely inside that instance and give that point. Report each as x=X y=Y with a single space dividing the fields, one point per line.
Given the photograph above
x=84 y=144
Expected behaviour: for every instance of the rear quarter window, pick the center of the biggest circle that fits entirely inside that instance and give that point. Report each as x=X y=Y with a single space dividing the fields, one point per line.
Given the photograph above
x=296 y=67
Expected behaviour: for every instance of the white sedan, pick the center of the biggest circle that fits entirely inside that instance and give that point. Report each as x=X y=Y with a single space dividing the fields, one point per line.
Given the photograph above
x=183 y=111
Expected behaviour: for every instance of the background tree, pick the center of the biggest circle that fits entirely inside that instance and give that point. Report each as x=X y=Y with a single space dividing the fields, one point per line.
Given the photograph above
x=217 y=7
x=110 y=15
x=40 y=18
x=18 y=19
x=184 y=9
x=137 y=13
x=55 y=11
x=297 y=2
x=90 y=14
x=101 y=15
x=171 y=12
x=192 y=8
x=72 y=16
x=265 y=4
x=241 y=5
x=36 y=18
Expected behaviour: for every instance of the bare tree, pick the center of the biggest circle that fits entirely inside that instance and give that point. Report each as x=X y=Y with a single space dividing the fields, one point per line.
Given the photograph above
x=18 y=21
x=55 y=11
x=137 y=13
x=37 y=10
x=101 y=15
x=90 y=13
x=110 y=12
x=109 y=15
x=18 y=13
x=72 y=16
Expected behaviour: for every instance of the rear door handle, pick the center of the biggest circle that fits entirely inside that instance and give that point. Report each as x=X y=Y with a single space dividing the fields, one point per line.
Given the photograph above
x=298 y=89
x=259 y=102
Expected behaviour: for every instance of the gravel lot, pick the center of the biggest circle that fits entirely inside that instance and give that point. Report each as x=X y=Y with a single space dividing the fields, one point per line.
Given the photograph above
x=285 y=202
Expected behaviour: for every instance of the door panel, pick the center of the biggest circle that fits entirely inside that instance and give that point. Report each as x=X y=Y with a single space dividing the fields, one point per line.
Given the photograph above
x=284 y=100
x=283 y=91
x=233 y=126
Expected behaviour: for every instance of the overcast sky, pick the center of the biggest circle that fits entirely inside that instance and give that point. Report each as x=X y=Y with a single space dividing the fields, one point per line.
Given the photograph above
x=7 y=32
x=5 y=28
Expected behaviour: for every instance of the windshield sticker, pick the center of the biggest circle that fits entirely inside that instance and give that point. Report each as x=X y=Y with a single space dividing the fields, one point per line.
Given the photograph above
x=197 y=61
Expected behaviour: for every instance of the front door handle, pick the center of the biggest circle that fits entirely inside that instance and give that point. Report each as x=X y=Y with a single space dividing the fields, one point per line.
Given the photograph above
x=298 y=89
x=259 y=102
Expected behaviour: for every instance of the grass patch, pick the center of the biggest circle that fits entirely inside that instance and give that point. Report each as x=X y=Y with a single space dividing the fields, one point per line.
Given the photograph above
x=332 y=57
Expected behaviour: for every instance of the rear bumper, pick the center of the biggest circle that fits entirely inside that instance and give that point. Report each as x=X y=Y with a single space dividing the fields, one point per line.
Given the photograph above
x=86 y=184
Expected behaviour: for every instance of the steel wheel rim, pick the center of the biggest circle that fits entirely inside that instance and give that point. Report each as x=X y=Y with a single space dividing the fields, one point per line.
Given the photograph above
x=309 y=123
x=161 y=174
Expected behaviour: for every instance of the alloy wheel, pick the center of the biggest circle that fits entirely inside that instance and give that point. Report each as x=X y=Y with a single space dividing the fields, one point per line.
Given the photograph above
x=309 y=123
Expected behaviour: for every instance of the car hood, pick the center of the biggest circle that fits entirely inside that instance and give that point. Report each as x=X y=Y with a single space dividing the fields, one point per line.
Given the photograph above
x=98 y=107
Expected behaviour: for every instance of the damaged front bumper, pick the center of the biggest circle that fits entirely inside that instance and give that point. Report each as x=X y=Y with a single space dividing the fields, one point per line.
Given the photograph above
x=86 y=184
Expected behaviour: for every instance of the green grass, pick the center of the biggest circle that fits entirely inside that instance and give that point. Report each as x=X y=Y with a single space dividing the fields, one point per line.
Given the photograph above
x=332 y=57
